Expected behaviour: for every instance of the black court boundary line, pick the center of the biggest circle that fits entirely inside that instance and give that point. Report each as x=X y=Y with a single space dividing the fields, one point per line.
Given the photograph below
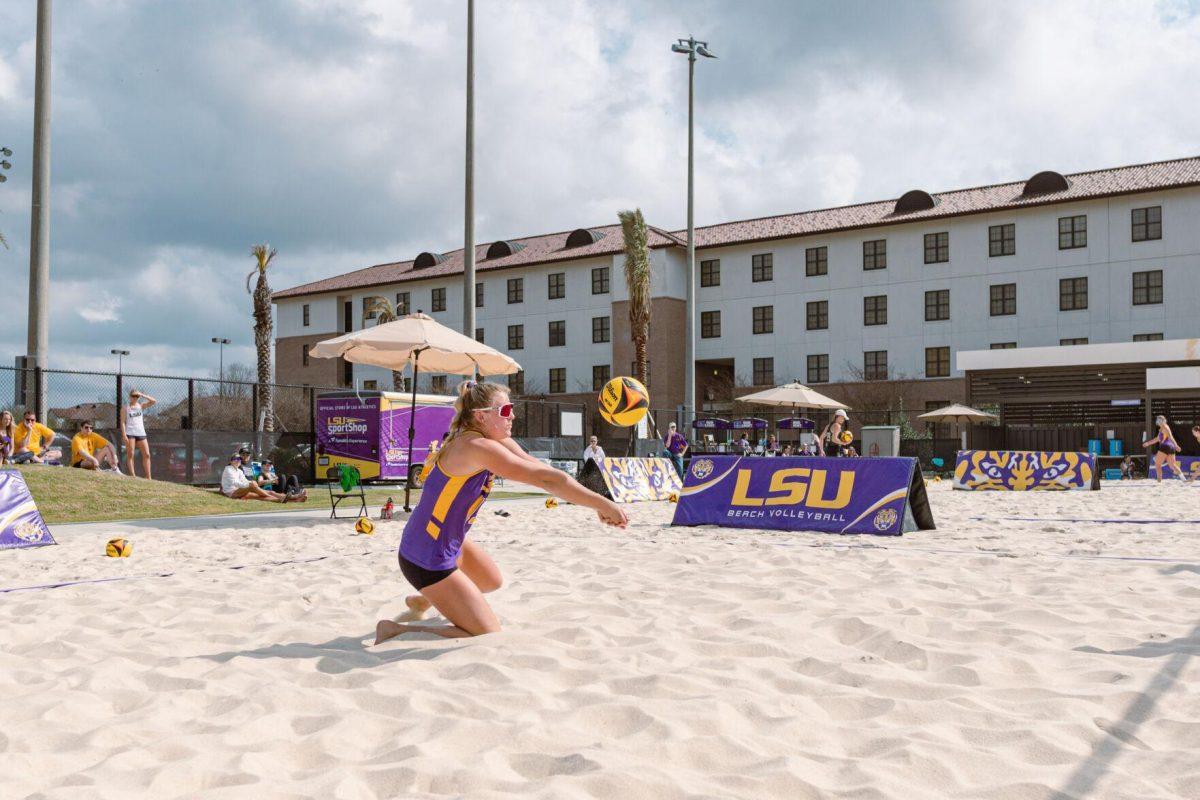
x=1091 y=521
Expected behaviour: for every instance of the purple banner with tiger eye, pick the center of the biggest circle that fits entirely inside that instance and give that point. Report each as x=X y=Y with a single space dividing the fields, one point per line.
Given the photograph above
x=1024 y=471
x=834 y=495
x=21 y=523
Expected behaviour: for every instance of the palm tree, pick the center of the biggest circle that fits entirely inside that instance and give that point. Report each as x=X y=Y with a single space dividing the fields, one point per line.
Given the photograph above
x=384 y=311
x=263 y=326
x=637 y=280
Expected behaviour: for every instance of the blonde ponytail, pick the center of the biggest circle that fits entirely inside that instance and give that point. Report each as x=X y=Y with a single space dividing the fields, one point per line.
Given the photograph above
x=472 y=396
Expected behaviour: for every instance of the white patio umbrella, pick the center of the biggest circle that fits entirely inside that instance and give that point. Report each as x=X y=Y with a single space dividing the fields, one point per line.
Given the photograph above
x=416 y=340
x=959 y=414
x=793 y=394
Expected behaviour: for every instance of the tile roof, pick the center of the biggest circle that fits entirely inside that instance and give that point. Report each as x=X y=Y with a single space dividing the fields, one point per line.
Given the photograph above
x=545 y=249
x=550 y=247
x=1083 y=185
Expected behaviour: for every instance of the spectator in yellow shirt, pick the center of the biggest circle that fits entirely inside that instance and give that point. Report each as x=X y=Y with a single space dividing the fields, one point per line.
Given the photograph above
x=89 y=449
x=29 y=439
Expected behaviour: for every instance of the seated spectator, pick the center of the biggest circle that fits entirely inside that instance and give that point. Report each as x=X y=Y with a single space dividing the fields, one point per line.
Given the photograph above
x=1127 y=468
x=743 y=445
x=236 y=485
x=90 y=450
x=287 y=484
x=786 y=451
x=29 y=439
x=772 y=445
x=250 y=467
x=7 y=431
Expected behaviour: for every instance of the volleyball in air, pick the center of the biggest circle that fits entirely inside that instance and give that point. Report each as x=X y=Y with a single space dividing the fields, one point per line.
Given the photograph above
x=623 y=402
x=118 y=548
x=364 y=525
x=846 y=437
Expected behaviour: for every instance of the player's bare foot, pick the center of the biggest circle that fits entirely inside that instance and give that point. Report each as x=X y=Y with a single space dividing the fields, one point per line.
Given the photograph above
x=417 y=606
x=386 y=629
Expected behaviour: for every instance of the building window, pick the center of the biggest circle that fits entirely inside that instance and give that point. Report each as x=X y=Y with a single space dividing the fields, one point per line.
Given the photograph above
x=1072 y=294
x=937 y=362
x=516 y=337
x=764 y=319
x=764 y=372
x=816 y=261
x=558 y=333
x=479 y=335
x=817 y=313
x=875 y=365
x=437 y=384
x=1147 y=223
x=370 y=386
x=1072 y=232
x=601 y=374
x=1003 y=297
x=402 y=303
x=710 y=324
x=761 y=268
x=875 y=254
x=304 y=355
x=710 y=272
x=1147 y=337
x=937 y=248
x=557 y=285
x=347 y=373
x=600 y=280
x=601 y=329
x=558 y=380
x=875 y=310
x=818 y=368
x=937 y=305
x=1002 y=240
x=437 y=300
x=1148 y=287
x=479 y=295
x=516 y=383
x=516 y=290
x=1068 y=342
x=368 y=311
x=306 y=313
x=1004 y=346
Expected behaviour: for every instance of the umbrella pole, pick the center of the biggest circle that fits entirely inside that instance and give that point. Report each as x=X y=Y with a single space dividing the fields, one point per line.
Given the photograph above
x=412 y=432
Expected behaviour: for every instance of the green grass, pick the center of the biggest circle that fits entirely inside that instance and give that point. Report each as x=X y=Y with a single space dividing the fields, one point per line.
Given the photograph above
x=76 y=495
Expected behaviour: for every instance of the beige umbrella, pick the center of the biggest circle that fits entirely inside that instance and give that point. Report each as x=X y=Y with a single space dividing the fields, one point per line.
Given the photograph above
x=794 y=394
x=416 y=340
x=960 y=414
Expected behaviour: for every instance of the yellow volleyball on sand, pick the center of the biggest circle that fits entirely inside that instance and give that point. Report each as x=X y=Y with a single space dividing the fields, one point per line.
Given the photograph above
x=364 y=525
x=674 y=498
x=846 y=437
x=623 y=402
x=118 y=548
x=551 y=502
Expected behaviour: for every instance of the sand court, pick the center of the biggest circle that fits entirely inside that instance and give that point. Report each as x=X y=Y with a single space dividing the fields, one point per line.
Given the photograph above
x=1007 y=659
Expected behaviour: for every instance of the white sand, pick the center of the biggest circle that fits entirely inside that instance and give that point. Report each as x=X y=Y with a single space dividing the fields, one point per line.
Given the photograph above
x=983 y=660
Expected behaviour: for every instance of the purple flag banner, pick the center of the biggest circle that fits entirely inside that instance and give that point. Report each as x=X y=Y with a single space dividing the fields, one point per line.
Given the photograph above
x=634 y=480
x=834 y=495
x=1024 y=471
x=21 y=523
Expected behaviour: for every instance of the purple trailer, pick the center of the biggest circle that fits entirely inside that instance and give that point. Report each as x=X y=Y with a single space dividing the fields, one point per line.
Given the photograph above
x=369 y=430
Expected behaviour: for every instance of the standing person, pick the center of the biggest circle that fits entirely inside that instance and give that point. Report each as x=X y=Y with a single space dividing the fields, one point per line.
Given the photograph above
x=829 y=442
x=772 y=445
x=744 y=446
x=593 y=452
x=1165 y=447
x=7 y=434
x=28 y=439
x=133 y=430
x=90 y=450
x=677 y=446
x=450 y=573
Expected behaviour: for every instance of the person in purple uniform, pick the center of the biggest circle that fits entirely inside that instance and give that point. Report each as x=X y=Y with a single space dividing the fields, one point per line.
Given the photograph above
x=677 y=447
x=448 y=572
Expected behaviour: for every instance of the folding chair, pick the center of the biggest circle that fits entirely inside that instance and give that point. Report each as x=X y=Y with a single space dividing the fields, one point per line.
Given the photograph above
x=349 y=482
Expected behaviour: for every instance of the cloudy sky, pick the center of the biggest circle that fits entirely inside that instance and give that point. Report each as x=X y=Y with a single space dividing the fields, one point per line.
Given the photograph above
x=184 y=132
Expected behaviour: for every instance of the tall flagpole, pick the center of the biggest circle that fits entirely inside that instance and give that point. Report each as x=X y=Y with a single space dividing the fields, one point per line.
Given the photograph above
x=38 y=339
x=469 y=206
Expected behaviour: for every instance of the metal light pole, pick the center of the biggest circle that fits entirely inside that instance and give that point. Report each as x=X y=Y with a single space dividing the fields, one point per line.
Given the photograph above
x=469 y=205
x=120 y=354
x=38 y=337
x=221 y=373
x=692 y=48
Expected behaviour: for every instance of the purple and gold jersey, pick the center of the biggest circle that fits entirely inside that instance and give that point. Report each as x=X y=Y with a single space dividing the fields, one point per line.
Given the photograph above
x=434 y=533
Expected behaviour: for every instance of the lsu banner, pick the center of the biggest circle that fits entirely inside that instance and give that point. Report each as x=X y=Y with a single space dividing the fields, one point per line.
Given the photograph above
x=21 y=523
x=631 y=480
x=1189 y=464
x=834 y=495
x=1024 y=471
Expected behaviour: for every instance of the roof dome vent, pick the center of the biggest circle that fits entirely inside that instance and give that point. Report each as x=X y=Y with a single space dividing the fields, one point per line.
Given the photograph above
x=1048 y=182
x=581 y=237
x=427 y=259
x=502 y=249
x=914 y=200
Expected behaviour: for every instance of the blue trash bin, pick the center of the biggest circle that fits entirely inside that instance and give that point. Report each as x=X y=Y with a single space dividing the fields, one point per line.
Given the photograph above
x=1116 y=447
x=1094 y=447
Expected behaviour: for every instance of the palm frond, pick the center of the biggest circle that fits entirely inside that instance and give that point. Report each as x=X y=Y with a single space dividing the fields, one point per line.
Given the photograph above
x=381 y=308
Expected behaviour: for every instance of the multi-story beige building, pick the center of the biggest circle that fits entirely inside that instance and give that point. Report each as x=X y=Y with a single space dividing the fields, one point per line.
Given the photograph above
x=871 y=299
